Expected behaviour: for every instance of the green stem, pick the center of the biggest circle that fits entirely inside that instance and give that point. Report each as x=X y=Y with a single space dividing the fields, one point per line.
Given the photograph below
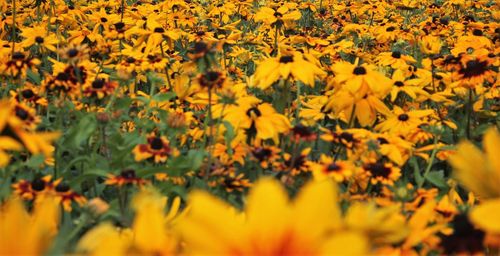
x=297 y=110
x=431 y=162
x=469 y=115
x=210 y=138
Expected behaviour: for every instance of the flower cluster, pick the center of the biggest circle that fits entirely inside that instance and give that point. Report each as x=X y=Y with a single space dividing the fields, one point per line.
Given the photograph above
x=296 y=127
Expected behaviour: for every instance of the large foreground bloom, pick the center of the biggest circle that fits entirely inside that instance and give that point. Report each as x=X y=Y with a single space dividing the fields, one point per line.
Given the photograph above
x=23 y=233
x=270 y=224
x=477 y=171
x=149 y=234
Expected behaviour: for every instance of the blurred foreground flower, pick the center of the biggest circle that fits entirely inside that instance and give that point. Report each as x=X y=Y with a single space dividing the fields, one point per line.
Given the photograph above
x=270 y=224
x=23 y=233
x=480 y=173
x=149 y=233
x=477 y=171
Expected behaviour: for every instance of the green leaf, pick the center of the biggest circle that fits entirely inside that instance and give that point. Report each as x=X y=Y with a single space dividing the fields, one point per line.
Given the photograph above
x=88 y=174
x=164 y=96
x=416 y=171
x=229 y=134
x=81 y=132
x=34 y=77
x=437 y=179
x=35 y=161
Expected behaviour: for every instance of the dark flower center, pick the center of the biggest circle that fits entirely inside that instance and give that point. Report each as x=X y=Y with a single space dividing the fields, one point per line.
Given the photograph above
x=17 y=56
x=278 y=15
x=255 y=111
x=62 y=187
x=38 y=184
x=200 y=47
x=378 y=170
x=382 y=141
x=128 y=174
x=98 y=84
x=119 y=25
x=466 y=239
x=403 y=117
x=156 y=143
x=390 y=29
x=333 y=167
x=399 y=84
x=396 y=54
x=27 y=94
x=474 y=68
x=347 y=136
x=130 y=60
x=104 y=20
x=212 y=76
x=262 y=153
x=359 y=71
x=39 y=39
x=21 y=113
x=62 y=77
x=72 y=52
x=477 y=32
x=286 y=59
x=302 y=131
x=159 y=30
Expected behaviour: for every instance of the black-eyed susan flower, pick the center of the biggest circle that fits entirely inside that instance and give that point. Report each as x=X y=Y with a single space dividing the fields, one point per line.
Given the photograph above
x=126 y=177
x=328 y=167
x=100 y=88
x=402 y=86
x=430 y=45
x=157 y=148
x=384 y=173
x=39 y=37
x=259 y=121
x=395 y=59
x=270 y=224
x=17 y=64
x=282 y=67
x=277 y=17
x=66 y=196
x=403 y=122
x=474 y=71
x=354 y=78
x=29 y=190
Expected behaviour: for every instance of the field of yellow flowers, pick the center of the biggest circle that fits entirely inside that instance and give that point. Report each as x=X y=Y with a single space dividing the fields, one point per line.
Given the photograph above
x=249 y=127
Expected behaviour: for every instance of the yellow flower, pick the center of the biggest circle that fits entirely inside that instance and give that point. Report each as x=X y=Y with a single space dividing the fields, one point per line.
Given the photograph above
x=403 y=122
x=35 y=142
x=430 y=44
x=383 y=225
x=477 y=171
x=355 y=79
x=328 y=167
x=485 y=216
x=409 y=87
x=150 y=232
x=23 y=233
x=272 y=69
x=7 y=143
x=270 y=224
x=277 y=17
x=260 y=121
